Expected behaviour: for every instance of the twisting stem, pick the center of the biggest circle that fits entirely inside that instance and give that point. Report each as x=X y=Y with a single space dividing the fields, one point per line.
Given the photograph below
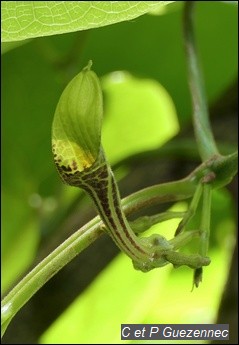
x=99 y=182
x=81 y=239
x=205 y=140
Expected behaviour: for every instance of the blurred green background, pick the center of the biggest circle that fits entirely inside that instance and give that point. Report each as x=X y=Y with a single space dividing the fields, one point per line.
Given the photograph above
x=143 y=72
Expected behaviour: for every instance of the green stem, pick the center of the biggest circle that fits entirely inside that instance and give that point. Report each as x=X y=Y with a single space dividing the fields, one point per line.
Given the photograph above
x=183 y=238
x=81 y=239
x=204 y=230
x=224 y=167
x=47 y=268
x=142 y=224
x=191 y=210
x=175 y=149
x=205 y=221
x=203 y=133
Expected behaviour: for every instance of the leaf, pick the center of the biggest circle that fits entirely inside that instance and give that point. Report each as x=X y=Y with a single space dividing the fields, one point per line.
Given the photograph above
x=231 y=2
x=7 y=46
x=25 y=19
x=132 y=301
x=154 y=48
x=28 y=170
x=137 y=111
x=20 y=238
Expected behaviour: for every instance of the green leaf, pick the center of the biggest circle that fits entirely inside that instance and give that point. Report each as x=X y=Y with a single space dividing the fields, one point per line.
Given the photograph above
x=25 y=19
x=6 y=46
x=20 y=235
x=231 y=2
x=137 y=111
x=155 y=49
x=28 y=172
x=127 y=303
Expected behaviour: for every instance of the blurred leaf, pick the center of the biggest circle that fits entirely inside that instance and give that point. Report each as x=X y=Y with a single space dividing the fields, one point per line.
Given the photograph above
x=175 y=6
x=19 y=244
x=25 y=19
x=109 y=301
x=27 y=110
x=178 y=304
x=152 y=47
x=231 y=2
x=6 y=46
x=168 y=227
x=139 y=115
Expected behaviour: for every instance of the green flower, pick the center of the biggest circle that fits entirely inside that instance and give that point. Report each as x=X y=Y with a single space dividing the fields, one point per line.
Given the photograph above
x=76 y=131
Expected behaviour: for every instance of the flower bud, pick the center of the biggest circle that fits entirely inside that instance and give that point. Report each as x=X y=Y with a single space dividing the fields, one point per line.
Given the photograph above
x=76 y=131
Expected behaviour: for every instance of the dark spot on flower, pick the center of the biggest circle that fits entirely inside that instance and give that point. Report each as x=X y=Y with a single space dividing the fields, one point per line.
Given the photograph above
x=74 y=165
x=67 y=169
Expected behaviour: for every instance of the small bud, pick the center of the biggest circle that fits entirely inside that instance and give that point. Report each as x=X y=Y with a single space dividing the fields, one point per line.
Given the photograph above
x=76 y=131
